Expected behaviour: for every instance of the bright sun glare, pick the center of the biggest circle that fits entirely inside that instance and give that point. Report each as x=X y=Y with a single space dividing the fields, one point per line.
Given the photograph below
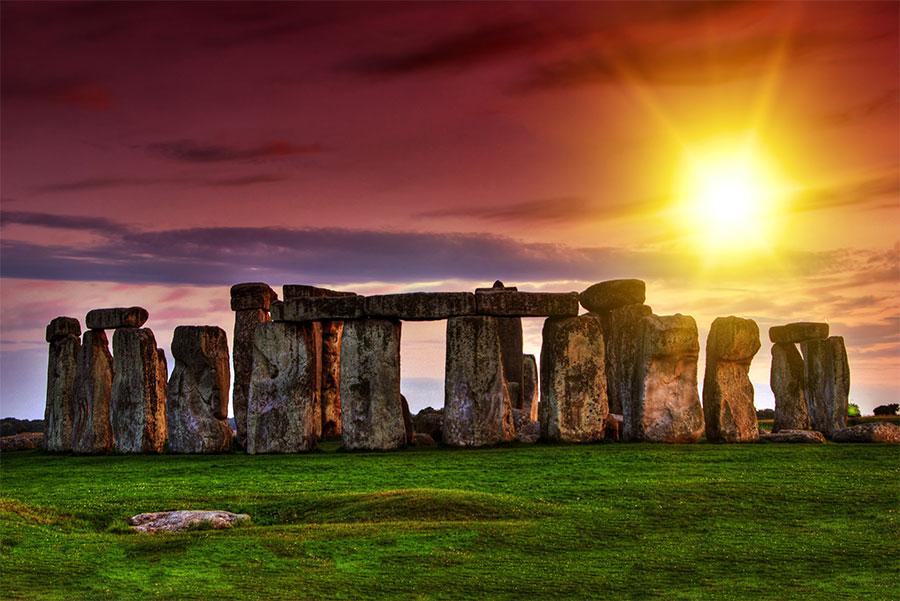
x=730 y=195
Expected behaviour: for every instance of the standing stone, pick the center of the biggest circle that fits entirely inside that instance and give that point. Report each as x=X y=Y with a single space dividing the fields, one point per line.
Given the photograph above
x=407 y=420
x=63 y=335
x=371 y=407
x=431 y=422
x=92 y=431
x=283 y=409
x=251 y=303
x=788 y=386
x=573 y=380
x=530 y=388
x=332 y=331
x=727 y=391
x=827 y=383
x=477 y=407
x=511 y=346
x=197 y=400
x=622 y=336
x=666 y=406
x=527 y=429
x=138 y=402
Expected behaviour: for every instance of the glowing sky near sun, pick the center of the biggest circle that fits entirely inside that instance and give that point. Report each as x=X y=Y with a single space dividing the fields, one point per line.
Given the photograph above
x=155 y=153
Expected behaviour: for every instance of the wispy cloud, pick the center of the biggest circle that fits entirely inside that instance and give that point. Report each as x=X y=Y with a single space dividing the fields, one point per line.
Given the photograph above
x=80 y=94
x=191 y=151
x=107 y=183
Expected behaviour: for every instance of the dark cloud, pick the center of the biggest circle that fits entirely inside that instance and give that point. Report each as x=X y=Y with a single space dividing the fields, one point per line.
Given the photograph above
x=878 y=191
x=85 y=95
x=545 y=210
x=105 y=183
x=99 y=225
x=197 y=152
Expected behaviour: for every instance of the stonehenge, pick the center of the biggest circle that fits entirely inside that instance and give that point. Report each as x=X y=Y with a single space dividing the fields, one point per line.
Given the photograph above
x=197 y=402
x=812 y=385
x=666 y=405
x=251 y=303
x=573 y=404
x=323 y=363
x=727 y=391
x=63 y=334
x=92 y=430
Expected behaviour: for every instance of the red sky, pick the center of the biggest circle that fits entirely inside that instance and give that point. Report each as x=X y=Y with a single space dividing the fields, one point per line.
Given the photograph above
x=156 y=153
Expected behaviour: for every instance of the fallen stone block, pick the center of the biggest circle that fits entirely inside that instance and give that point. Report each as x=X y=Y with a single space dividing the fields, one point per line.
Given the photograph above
x=613 y=294
x=798 y=332
x=118 y=317
x=179 y=521
x=871 y=432
x=793 y=436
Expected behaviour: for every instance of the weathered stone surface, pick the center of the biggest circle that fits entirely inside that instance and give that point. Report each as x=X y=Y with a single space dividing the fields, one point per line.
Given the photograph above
x=245 y=324
x=92 y=430
x=497 y=285
x=787 y=381
x=798 y=332
x=283 y=413
x=530 y=387
x=727 y=391
x=614 y=426
x=827 y=376
x=407 y=420
x=420 y=306
x=117 y=317
x=477 y=407
x=59 y=412
x=506 y=303
x=321 y=308
x=197 y=400
x=622 y=337
x=429 y=421
x=61 y=327
x=527 y=429
x=292 y=291
x=422 y=440
x=666 y=406
x=316 y=327
x=22 y=441
x=178 y=521
x=511 y=351
x=332 y=332
x=871 y=432
x=372 y=410
x=138 y=404
x=613 y=294
x=793 y=436
x=573 y=404
x=252 y=295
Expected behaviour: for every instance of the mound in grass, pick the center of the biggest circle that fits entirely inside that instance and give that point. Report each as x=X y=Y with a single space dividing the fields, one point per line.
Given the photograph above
x=414 y=504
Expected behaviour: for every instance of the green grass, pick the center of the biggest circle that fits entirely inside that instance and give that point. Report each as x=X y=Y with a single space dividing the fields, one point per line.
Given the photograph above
x=615 y=521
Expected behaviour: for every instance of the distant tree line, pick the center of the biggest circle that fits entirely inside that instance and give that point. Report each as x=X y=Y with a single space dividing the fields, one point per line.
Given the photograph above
x=11 y=425
x=891 y=409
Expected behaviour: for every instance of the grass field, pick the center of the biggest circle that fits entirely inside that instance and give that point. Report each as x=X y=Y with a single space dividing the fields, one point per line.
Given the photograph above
x=615 y=521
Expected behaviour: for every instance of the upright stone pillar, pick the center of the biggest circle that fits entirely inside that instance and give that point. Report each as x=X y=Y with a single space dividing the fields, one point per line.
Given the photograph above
x=666 y=406
x=619 y=304
x=728 y=408
x=511 y=347
x=59 y=413
x=197 y=400
x=477 y=406
x=827 y=383
x=372 y=410
x=283 y=409
x=251 y=303
x=92 y=431
x=531 y=388
x=788 y=386
x=573 y=380
x=138 y=403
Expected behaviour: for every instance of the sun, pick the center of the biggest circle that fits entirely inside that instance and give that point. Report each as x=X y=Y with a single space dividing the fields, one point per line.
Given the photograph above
x=729 y=194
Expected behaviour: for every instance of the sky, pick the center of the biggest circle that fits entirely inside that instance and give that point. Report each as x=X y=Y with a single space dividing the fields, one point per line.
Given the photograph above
x=154 y=154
